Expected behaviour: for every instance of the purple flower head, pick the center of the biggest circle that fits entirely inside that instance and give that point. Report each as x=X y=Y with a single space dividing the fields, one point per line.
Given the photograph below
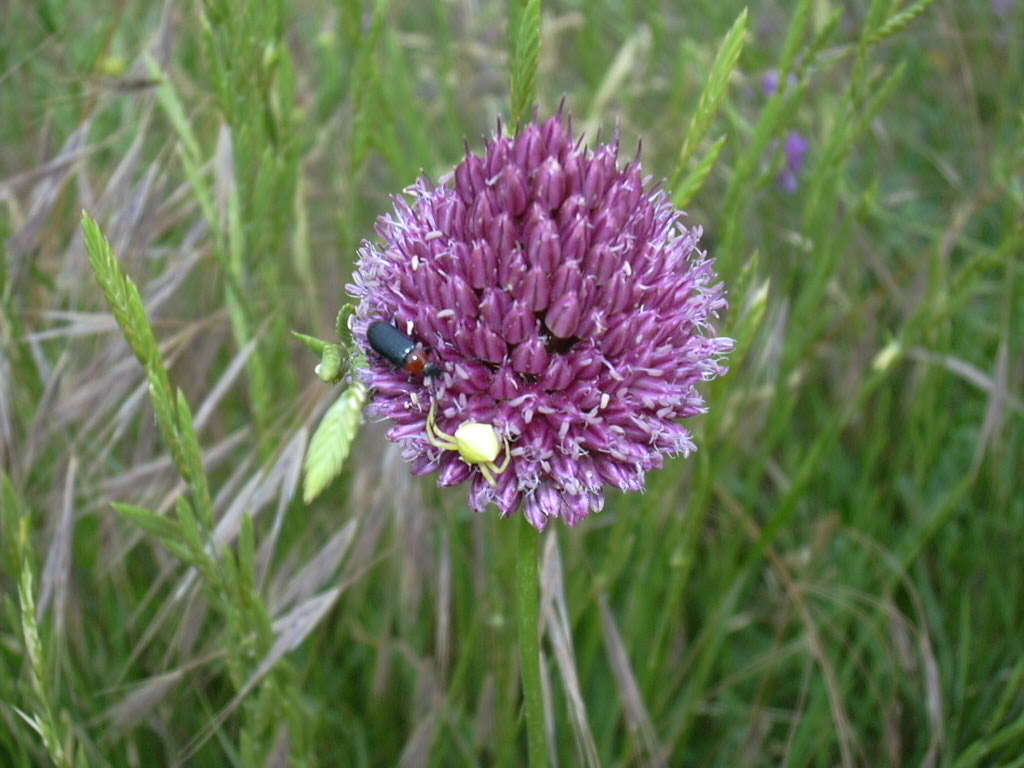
x=566 y=305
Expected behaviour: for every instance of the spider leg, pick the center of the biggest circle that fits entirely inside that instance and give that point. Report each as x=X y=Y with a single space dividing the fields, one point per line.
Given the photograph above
x=488 y=476
x=499 y=468
x=435 y=436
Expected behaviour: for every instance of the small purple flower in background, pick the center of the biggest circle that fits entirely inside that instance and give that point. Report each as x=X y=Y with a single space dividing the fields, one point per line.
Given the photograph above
x=795 y=149
x=1003 y=8
x=771 y=80
x=566 y=305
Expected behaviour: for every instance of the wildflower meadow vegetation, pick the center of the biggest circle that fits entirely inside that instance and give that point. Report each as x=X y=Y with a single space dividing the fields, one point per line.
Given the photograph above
x=732 y=296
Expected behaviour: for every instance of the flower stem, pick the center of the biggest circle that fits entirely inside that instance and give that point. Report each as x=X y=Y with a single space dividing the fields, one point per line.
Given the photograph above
x=528 y=621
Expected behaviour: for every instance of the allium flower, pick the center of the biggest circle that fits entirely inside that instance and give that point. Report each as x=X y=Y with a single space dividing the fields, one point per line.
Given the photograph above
x=566 y=305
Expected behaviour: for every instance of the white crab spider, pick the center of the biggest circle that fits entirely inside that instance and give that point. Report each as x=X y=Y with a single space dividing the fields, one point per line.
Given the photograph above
x=477 y=444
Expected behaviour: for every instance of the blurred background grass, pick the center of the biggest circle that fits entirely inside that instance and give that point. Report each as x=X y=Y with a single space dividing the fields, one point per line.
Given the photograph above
x=834 y=578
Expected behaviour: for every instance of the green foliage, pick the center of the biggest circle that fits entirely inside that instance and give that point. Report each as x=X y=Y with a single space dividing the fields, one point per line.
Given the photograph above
x=332 y=441
x=172 y=413
x=831 y=580
x=710 y=101
x=899 y=21
x=525 y=54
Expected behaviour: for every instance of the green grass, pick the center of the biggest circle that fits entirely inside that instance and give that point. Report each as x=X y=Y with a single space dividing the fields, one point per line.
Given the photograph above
x=833 y=579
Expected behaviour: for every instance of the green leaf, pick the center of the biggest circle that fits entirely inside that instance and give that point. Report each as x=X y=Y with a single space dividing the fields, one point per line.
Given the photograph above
x=525 y=55
x=156 y=525
x=168 y=531
x=794 y=39
x=12 y=509
x=330 y=445
x=694 y=180
x=315 y=345
x=192 y=458
x=126 y=304
x=341 y=322
x=898 y=21
x=713 y=93
x=330 y=368
x=188 y=146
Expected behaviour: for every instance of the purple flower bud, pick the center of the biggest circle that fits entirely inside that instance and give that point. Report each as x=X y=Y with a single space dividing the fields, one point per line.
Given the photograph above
x=453 y=472
x=601 y=263
x=535 y=290
x=543 y=249
x=577 y=507
x=557 y=376
x=490 y=346
x=576 y=238
x=543 y=505
x=566 y=279
x=602 y=166
x=499 y=153
x=451 y=218
x=511 y=270
x=494 y=308
x=519 y=323
x=473 y=375
x=618 y=337
x=530 y=356
x=481 y=216
x=512 y=192
x=501 y=236
x=573 y=208
x=564 y=316
x=567 y=308
x=549 y=185
x=529 y=147
x=592 y=322
x=469 y=178
x=505 y=385
x=482 y=264
x=460 y=297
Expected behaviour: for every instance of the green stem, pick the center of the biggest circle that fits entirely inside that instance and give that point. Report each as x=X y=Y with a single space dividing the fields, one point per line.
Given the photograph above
x=528 y=622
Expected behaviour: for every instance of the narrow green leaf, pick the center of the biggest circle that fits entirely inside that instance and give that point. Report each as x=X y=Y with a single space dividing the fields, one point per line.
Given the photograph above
x=247 y=562
x=188 y=145
x=794 y=39
x=12 y=509
x=168 y=531
x=130 y=314
x=316 y=346
x=330 y=445
x=694 y=180
x=713 y=93
x=898 y=21
x=330 y=367
x=163 y=528
x=525 y=55
x=192 y=456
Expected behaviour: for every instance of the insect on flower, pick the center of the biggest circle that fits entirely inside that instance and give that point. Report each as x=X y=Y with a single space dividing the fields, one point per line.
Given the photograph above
x=477 y=444
x=400 y=350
